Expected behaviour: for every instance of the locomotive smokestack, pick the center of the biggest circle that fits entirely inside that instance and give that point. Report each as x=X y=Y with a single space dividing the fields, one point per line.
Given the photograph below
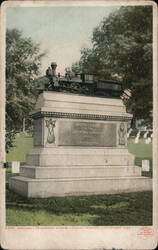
x=53 y=66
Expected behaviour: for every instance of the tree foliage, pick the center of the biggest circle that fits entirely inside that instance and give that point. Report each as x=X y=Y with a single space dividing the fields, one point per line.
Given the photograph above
x=122 y=49
x=23 y=59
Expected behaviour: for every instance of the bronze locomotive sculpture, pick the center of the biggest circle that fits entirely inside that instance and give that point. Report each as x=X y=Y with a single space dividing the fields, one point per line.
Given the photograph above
x=84 y=84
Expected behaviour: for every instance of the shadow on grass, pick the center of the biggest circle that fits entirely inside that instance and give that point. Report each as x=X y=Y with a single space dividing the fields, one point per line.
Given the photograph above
x=118 y=209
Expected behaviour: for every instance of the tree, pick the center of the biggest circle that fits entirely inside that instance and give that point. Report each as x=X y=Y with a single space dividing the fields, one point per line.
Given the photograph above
x=23 y=59
x=122 y=49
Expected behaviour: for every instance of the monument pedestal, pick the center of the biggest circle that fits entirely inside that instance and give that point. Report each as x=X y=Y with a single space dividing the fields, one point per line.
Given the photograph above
x=80 y=148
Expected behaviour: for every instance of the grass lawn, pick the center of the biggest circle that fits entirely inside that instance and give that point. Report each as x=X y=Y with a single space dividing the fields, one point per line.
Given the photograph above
x=23 y=145
x=95 y=210
x=140 y=150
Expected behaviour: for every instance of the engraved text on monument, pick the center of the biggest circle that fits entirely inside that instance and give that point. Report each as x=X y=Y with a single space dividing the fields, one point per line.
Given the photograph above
x=75 y=133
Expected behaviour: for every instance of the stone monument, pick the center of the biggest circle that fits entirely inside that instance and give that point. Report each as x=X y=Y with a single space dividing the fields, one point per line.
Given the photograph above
x=80 y=148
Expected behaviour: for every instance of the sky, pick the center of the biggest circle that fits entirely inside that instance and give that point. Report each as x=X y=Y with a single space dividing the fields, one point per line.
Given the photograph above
x=61 y=31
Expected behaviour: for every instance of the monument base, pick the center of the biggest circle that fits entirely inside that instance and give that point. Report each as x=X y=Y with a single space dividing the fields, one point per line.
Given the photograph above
x=43 y=188
x=69 y=171
x=80 y=148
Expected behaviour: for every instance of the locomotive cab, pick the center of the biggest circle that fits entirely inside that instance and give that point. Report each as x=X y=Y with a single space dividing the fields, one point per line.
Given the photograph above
x=108 y=88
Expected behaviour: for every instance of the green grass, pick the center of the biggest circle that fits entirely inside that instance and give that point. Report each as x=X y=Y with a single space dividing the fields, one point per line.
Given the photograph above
x=23 y=145
x=95 y=210
x=140 y=150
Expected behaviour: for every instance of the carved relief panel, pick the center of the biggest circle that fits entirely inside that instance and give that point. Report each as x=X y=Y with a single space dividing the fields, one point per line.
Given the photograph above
x=122 y=134
x=49 y=132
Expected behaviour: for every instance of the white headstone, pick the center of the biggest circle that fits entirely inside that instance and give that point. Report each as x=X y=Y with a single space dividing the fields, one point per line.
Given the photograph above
x=15 y=167
x=148 y=140
x=128 y=135
x=129 y=132
x=145 y=165
x=138 y=134
x=136 y=140
x=145 y=134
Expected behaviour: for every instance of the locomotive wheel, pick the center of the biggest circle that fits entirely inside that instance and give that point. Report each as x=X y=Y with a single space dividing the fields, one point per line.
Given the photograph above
x=84 y=90
x=66 y=85
x=50 y=87
x=75 y=88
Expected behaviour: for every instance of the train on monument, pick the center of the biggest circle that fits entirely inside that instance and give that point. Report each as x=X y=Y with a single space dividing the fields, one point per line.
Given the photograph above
x=84 y=84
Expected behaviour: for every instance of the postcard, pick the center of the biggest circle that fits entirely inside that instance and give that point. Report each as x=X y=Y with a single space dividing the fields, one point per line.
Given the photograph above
x=79 y=125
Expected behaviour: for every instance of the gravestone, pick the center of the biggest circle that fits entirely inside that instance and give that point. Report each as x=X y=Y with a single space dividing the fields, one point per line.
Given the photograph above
x=145 y=165
x=80 y=148
x=129 y=132
x=136 y=141
x=148 y=140
x=145 y=134
x=15 y=167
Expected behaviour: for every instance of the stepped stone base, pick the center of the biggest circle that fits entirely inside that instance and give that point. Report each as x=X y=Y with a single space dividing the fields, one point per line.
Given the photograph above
x=78 y=172
x=79 y=186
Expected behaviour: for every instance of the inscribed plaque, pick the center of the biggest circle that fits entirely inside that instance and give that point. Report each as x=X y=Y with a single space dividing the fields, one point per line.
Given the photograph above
x=75 y=133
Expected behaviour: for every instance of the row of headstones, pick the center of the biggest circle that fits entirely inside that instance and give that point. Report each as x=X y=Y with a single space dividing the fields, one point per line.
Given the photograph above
x=15 y=166
x=146 y=135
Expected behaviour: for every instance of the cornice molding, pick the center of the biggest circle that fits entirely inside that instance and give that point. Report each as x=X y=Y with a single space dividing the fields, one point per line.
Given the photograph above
x=79 y=116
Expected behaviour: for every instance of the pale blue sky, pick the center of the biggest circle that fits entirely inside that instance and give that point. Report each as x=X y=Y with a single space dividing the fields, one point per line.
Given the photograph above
x=62 y=31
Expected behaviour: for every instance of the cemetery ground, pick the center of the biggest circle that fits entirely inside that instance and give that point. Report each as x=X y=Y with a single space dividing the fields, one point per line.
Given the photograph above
x=95 y=210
